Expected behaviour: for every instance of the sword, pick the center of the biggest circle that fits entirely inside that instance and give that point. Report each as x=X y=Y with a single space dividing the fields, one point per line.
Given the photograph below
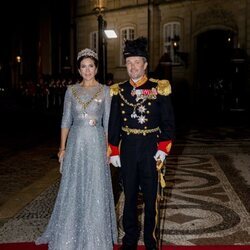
x=160 y=186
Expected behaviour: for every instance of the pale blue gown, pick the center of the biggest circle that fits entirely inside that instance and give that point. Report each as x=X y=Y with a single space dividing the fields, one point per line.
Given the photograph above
x=83 y=217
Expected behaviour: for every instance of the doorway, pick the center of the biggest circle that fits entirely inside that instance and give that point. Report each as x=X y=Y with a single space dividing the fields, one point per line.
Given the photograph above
x=214 y=48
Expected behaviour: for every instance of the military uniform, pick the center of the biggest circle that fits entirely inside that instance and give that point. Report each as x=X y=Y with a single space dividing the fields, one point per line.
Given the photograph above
x=141 y=122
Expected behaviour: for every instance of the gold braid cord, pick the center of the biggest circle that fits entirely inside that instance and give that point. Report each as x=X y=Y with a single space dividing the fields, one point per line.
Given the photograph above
x=159 y=166
x=131 y=104
x=160 y=196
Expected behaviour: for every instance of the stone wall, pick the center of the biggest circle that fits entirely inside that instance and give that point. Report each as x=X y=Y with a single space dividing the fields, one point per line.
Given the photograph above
x=196 y=17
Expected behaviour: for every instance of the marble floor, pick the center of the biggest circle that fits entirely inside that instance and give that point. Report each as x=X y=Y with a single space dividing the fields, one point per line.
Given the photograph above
x=206 y=200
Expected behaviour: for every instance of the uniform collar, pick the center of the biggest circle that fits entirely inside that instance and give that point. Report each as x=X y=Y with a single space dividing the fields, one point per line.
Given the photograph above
x=138 y=83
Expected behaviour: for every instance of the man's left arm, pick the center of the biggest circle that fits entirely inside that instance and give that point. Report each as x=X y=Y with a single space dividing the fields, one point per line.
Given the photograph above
x=167 y=121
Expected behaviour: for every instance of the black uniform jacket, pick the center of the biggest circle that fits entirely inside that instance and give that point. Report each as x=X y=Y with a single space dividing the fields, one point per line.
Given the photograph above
x=142 y=111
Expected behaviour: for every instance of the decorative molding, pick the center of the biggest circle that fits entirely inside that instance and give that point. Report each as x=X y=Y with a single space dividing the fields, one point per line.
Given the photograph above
x=215 y=16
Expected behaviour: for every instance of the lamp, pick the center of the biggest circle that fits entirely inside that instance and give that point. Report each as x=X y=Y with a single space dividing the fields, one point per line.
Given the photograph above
x=99 y=5
x=18 y=59
x=110 y=34
x=18 y=69
x=99 y=8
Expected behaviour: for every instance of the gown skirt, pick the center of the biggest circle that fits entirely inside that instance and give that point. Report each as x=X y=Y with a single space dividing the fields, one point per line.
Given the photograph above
x=83 y=217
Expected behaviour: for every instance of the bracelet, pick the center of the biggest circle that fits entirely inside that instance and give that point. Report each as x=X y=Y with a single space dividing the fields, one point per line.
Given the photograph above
x=61 y=149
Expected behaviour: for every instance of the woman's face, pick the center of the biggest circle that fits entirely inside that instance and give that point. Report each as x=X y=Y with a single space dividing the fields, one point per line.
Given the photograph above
x=87 y=69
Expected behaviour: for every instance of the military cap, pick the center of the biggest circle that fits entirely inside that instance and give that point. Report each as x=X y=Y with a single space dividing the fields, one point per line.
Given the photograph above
x=137 y=47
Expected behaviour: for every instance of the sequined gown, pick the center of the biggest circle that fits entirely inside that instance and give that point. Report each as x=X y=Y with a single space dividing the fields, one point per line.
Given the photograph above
x=83 y=217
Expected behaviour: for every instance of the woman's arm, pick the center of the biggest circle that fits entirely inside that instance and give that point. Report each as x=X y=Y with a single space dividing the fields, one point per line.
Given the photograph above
x=64 y=136
x=66 y=123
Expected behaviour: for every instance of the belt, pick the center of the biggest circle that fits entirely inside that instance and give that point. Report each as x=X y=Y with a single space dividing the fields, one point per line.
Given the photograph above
x=136 y=131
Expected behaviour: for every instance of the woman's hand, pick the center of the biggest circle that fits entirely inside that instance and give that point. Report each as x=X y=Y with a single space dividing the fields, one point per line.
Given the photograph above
x=61 y=154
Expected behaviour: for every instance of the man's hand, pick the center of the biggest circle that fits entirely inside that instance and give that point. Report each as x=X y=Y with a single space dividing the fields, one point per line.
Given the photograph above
x=115 y=161
x=160 y=156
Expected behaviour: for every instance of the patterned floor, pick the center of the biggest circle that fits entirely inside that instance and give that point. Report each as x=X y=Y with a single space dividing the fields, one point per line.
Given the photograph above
x=201 y=205
x=206 y=200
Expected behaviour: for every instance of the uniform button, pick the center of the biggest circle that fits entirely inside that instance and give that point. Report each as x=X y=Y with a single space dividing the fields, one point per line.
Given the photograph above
x=149 y=104
x=125 y=119
x=122 y=104
x=145 y=127
x=123 y=112
x=148 y=112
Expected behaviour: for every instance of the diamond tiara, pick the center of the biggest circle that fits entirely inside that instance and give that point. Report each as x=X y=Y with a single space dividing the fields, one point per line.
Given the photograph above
x=87 y=53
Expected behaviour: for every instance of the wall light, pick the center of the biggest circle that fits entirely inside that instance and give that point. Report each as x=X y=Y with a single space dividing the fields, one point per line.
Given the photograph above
x=18 y=59
x=110 y=34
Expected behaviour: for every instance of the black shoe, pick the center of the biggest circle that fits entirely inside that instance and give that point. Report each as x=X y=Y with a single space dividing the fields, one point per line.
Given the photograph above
x=151 y=248
x=128 y=247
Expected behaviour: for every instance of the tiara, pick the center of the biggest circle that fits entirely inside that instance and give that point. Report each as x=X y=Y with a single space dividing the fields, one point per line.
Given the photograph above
x=87 y=53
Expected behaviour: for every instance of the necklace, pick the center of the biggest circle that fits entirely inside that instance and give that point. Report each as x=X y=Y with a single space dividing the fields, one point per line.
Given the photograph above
x=134 y=106
x=87 y=103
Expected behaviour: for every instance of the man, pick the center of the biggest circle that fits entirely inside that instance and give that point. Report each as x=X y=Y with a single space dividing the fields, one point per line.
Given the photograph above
x=141 y=130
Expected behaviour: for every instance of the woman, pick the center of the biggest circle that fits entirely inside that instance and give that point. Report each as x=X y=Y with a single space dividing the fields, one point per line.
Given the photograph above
x=84 y=217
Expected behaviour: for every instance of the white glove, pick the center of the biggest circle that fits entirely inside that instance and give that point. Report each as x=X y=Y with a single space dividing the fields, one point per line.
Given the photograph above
x=115 y=161
x=160 y=156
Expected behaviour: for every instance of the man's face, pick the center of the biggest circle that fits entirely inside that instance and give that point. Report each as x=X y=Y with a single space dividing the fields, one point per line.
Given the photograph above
x=136 y=66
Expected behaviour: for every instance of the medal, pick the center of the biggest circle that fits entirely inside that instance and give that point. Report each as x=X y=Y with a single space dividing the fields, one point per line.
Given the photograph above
x=134 y=115
x=92 y=122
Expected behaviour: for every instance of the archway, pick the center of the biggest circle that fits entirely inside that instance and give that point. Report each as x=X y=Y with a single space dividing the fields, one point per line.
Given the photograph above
x=214 y=49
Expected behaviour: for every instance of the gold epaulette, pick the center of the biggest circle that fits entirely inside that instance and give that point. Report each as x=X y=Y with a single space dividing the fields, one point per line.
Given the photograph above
x=163 y=86
x=114 y=89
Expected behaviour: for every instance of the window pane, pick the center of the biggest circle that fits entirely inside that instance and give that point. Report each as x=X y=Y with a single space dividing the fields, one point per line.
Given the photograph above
x=171 y=36
x=128 y=33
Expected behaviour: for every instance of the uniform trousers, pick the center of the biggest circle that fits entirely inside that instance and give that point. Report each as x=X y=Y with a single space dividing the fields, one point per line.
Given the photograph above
x=139 y=171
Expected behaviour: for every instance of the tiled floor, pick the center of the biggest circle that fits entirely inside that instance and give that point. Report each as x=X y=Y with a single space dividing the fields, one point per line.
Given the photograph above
x=208 y=182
